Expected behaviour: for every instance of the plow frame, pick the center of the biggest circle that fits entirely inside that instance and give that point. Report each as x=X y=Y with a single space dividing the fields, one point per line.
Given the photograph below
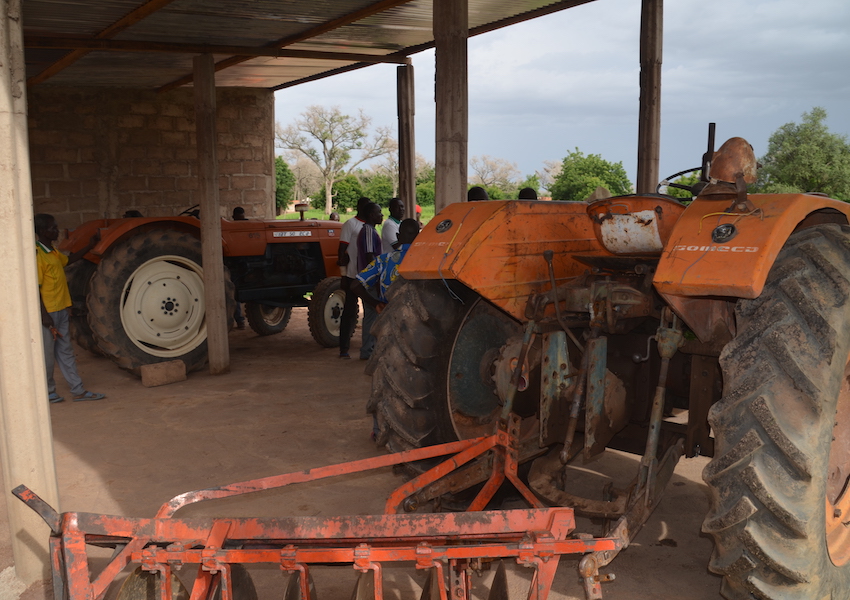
x=534 y=537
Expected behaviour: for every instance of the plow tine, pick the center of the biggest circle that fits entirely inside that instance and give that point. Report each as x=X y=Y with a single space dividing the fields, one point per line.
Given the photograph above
x=147 y=585
x=435 y=587
x=499 y=589
x=300 y=587
x=368 y=586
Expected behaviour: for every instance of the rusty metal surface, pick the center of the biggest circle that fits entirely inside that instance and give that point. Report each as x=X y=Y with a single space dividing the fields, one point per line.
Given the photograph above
x=534 y=537
x=402 y=28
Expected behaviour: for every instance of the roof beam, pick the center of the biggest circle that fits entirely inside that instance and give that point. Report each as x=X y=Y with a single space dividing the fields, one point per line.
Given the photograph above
x=142 y=12
x=357 y=15
x=486 y=28
x=89 y=44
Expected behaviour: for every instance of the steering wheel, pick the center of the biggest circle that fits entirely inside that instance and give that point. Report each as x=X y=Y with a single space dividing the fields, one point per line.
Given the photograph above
x=192 y=211
x=693 y=189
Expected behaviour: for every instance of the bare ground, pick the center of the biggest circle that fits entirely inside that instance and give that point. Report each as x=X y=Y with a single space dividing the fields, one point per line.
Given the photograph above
x=287 y=405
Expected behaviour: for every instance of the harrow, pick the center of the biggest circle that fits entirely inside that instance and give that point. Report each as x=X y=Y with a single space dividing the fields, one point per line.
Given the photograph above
x=451 y=545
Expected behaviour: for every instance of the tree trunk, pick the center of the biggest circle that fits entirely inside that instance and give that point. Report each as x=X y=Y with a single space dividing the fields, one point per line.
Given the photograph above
x=328 y=197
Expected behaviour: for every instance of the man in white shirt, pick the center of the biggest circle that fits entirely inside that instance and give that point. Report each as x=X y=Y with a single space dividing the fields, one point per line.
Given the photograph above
x=347 y=258
x=389 y=230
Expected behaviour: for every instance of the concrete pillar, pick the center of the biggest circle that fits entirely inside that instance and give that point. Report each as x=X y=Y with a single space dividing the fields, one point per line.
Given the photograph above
x=649 y=118
x=451 y=29
x=26 y=447
x=406 y=140
x=211 y=253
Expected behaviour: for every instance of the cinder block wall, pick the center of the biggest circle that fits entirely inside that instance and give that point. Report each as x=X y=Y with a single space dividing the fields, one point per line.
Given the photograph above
x=99 y=152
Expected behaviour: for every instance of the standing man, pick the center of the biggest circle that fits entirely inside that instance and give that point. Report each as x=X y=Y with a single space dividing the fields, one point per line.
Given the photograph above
x=389 y=230
x=368 y=247
x=55 y=300
x=347 y=259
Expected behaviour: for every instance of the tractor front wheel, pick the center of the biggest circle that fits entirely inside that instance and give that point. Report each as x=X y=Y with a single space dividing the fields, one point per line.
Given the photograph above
x=779 y=478
x=324 y=314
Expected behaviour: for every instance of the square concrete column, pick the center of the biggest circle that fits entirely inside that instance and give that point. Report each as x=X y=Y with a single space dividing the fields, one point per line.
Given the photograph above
x=451 y=29
x=26 y=440
x=211 y=252
x=649 y=117
x=406 y=140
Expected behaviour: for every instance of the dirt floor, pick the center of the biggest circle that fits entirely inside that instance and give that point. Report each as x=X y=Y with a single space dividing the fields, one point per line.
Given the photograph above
x=288 y=405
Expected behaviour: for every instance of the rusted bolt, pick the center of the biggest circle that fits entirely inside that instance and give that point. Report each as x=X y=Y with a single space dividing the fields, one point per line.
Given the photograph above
x=836 y=513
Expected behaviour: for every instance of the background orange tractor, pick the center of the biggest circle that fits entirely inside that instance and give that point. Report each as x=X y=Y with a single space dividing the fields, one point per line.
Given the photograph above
x=719 y=328
x=139 y=295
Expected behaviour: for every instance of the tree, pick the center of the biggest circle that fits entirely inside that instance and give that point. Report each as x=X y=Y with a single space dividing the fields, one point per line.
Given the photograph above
x=379 y=188
x=284 y=183
x=308 y=178
x=806 y=158
x=329 y=139
x=489 y=173
x=345 y=192
x=580 y=175
x=426 y=177
x=551 y=169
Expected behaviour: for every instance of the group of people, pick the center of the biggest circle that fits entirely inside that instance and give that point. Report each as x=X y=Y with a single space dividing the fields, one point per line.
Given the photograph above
x=369 y=265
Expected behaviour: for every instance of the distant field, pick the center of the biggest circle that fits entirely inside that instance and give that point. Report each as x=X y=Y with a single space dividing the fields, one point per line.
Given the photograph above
x=427 y=215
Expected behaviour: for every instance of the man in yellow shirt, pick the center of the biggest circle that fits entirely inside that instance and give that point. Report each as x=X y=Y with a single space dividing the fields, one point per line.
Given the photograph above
x=55 y=300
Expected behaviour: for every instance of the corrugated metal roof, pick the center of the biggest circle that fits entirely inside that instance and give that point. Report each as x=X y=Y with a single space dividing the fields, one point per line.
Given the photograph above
x=371 y=27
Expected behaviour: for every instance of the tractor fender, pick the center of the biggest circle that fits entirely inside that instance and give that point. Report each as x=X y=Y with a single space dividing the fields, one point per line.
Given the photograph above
x=698 y=261
x=113 y=231
x=707 y=265
x=496 y=248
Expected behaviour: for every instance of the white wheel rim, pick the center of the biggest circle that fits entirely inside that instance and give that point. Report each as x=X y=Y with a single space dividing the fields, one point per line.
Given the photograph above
x=333 y=311
x=163 y=306
x=272 y=315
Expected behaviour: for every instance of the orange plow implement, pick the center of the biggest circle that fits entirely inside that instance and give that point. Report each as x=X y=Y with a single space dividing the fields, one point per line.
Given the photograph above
x=450 y=545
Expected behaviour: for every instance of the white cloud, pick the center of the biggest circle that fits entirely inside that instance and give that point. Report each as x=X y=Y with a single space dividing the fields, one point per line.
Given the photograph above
x=541 y=88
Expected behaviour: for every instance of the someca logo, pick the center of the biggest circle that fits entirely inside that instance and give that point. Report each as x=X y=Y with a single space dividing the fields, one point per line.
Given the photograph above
x=739 y=249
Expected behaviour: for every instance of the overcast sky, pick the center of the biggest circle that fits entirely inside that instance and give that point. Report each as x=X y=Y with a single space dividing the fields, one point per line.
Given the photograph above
x=542 y=88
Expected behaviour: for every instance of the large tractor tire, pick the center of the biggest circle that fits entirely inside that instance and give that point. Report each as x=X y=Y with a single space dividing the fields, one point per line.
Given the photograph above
x=324 y=314
x=431 y=377
x=265 y=319
x=779 y=477
x=79 y=275
x=146 y=301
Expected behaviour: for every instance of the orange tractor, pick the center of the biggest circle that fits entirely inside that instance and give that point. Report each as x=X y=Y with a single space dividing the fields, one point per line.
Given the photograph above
x=543 y=333
x=600 y=324
x=138 y=298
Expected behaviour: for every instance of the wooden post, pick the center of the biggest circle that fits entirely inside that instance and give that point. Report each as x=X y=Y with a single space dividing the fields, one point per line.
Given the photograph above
x=451 y=29
x=649 y=118
x=26 y=440
x=211 y=253
x=406 y=140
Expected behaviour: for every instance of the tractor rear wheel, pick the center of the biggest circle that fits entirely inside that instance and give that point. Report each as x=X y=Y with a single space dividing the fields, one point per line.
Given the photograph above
x=431 y=372
x=146 y=301
x=779 y=477
x=265 y=319
x=79 y=275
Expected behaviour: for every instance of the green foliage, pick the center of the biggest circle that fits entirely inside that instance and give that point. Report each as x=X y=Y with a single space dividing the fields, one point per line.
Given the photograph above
x=532 y=181
x=689 y=179
x=379 y=188
x=806 y=158
x=425 y=193
x=345 y=194
x=580 y=175
x=284 y=183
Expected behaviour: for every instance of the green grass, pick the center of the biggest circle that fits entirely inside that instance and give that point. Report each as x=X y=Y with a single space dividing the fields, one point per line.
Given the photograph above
x=427 y=215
